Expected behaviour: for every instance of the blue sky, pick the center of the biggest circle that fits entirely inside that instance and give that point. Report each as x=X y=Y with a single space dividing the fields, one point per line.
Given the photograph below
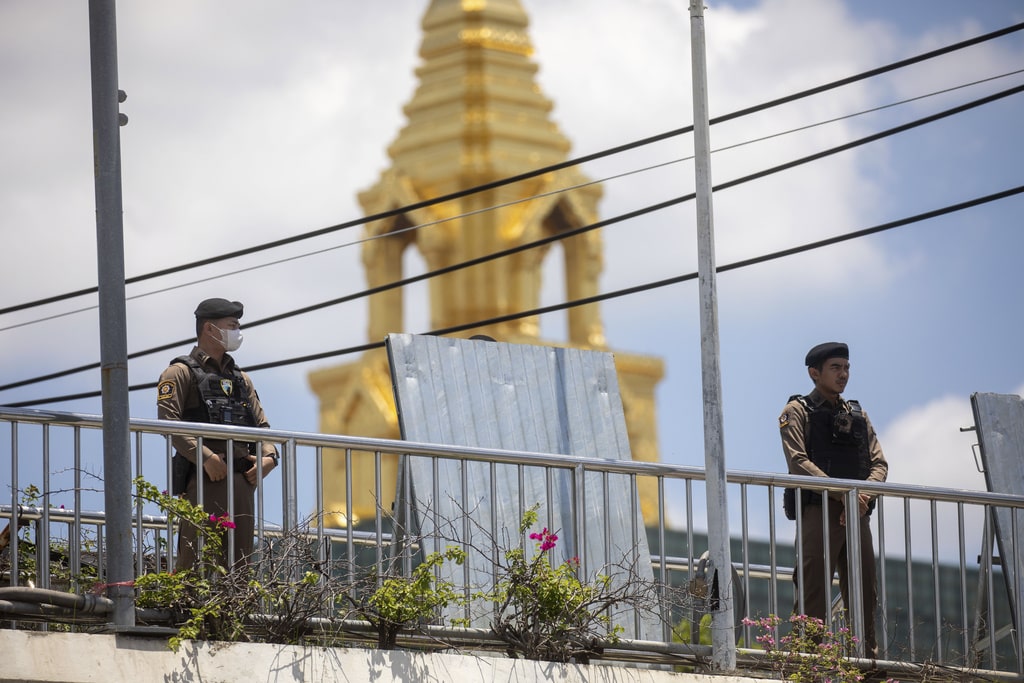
x=252 y=121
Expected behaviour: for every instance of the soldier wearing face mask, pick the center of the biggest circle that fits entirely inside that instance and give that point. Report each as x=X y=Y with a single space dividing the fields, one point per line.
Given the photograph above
x=207 y=386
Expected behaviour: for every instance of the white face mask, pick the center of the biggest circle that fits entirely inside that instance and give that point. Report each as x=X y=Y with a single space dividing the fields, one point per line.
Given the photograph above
x=231 y=339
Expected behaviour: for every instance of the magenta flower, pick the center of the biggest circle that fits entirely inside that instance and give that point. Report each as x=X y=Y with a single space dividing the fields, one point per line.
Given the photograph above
x=546 y=538
x=222 y=521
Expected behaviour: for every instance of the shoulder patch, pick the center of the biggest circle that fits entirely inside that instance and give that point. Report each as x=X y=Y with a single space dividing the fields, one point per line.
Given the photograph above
x=784 y=420
x=165 y=390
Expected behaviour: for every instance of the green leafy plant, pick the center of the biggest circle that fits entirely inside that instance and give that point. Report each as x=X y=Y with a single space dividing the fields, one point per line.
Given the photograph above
x=206 y=606
x=545 y=611
x=399 y=602
x=810 y=652
x=62 y=575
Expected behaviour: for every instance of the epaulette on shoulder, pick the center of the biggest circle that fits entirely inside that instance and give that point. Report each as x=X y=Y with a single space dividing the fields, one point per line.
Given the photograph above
x=802 y=399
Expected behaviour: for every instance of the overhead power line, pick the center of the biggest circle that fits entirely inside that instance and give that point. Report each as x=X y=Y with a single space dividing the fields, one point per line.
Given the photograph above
x=810 y=246
x=540 y=195
x=562 y=235
x=534 y=173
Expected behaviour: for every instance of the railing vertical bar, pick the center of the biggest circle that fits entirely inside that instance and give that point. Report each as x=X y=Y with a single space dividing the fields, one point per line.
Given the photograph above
x=140 y=559
x=989 y=597
x=606 y=505
x=666 y=621
x=936 y=585
x=493 y=473
x=169 y=454
x=230 y=452
x=378 y=513
x=549 y=502
x=43 y=533
x=634 y=505
x=909 y=557
x=578 y=518
x=773 y=558
x=798 y=555
x=200 y=489
x=76 y=529
x=260 y=493
x=962 y=546
x=689 y=531
x=883 y=592
x=855 y=612
x=435 y=512
x=15 y=508
x=349 y=523
x=101 y=546
x=1018 y=587
x=324 y=546
x=521 y=476
x=745 y=536
x=467 y=531
x=826 y=536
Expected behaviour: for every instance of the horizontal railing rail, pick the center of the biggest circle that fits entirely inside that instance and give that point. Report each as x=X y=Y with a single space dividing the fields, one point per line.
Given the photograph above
x=943 y=597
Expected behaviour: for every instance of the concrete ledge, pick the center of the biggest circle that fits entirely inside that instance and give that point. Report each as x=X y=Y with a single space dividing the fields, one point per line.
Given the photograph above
x=33 y=657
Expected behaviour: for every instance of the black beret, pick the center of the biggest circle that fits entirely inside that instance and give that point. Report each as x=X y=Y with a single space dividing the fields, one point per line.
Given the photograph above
x=212 y=309
x=822 y=352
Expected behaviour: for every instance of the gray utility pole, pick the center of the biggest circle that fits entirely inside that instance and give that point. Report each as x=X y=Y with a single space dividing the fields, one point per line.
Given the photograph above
x=723 y=639
x=113 y=329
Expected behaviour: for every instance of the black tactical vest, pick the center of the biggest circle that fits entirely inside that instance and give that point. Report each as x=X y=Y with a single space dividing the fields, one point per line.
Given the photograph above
x=223 y=399
x=837 y=439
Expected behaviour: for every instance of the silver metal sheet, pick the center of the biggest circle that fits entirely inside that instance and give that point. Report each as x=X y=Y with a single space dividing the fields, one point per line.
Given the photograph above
x=999 y=419
x=519 y=397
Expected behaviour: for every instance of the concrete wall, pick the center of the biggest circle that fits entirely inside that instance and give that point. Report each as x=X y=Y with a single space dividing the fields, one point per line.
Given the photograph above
x=81 y=658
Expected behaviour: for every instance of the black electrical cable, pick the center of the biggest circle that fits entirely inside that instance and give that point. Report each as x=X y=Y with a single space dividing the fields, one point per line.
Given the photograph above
x=569 y=188
x=566 y=234
x=935 y=213
x=536 y=172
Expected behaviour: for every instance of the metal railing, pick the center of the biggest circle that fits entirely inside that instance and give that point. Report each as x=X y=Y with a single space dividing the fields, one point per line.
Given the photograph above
x=943 y=600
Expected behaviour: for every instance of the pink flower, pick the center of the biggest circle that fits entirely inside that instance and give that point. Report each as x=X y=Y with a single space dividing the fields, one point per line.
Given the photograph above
x=546 y=538
x=223 y=521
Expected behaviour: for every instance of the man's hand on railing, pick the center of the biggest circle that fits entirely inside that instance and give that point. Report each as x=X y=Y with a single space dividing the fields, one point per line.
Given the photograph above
x=216 y=468
x=864 y=502
x=269 y=464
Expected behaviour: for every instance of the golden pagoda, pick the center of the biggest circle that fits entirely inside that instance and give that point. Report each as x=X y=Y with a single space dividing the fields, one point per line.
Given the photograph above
x=477 y=116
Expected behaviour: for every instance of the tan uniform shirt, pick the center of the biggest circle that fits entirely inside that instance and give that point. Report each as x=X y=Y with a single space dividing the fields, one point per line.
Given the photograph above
x=793 y=428
x=177 y=394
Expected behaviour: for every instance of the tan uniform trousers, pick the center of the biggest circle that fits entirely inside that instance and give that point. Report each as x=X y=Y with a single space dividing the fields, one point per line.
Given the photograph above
x=215 y=502
x=816 y=589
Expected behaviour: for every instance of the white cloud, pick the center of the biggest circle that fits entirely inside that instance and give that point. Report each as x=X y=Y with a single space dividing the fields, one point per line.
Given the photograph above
x=925 y=446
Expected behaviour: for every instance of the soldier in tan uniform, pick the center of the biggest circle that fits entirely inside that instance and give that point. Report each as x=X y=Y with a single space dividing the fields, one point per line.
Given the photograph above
x=825 y=435
x=207 y=386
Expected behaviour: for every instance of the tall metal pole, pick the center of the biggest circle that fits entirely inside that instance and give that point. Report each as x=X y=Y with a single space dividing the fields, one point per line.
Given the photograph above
x=722 y=626
x=113 y=329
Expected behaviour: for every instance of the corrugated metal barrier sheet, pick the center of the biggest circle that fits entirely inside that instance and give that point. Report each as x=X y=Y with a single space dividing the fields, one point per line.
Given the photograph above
x=521 y=397
x=999 y=419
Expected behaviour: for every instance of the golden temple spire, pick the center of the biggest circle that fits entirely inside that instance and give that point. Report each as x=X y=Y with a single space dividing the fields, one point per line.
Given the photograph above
x=477 y=115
